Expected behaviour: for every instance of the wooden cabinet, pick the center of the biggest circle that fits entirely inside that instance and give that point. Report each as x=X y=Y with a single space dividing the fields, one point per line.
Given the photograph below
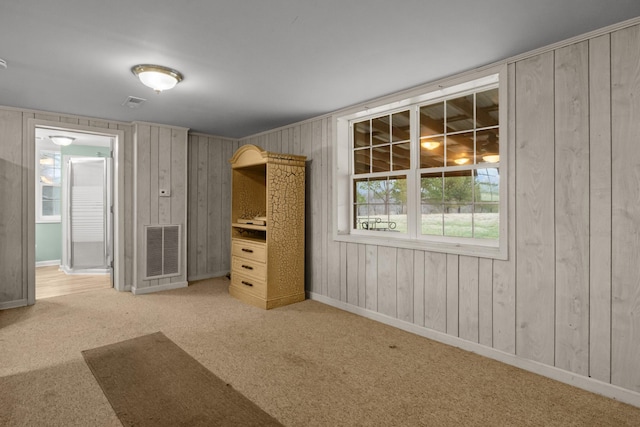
x=267 y=229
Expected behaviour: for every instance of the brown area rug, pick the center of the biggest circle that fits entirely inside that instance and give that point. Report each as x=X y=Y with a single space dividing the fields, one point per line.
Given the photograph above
x=150 y=381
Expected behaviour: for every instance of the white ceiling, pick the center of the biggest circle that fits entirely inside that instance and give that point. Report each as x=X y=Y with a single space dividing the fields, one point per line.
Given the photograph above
x=253 y=65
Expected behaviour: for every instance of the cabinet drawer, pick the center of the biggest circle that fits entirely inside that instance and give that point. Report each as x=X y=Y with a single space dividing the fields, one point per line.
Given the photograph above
x=249 y=250
x=249 y=285
x=249 y=268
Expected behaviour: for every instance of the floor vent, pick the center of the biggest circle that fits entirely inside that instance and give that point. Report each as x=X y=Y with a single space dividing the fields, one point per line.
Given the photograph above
x=163 y=250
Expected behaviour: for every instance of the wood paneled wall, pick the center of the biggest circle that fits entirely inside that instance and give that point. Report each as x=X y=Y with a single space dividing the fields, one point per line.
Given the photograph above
x=209 y=206
x=17 y=254
x=569 y=294
x=161 y=163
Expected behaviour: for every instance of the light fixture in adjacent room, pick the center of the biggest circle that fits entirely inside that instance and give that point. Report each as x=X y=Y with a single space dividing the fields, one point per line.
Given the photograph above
x=461 y=161
x=430 y=145
x=491 y=158
x=62 y=140
x=157 y=77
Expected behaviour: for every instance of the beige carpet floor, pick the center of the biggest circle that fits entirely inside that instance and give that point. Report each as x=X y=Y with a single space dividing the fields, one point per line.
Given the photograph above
x=306 y=364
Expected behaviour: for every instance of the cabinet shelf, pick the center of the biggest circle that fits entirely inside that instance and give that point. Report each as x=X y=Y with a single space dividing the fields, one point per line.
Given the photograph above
x=249 y=226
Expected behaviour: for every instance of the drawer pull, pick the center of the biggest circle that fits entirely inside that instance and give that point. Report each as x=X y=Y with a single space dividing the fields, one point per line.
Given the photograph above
x=248 y=267
x=247 y=283
x=247 y=250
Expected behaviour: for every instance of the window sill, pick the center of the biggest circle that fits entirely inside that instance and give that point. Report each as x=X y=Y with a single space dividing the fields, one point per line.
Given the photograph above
x=468 y=249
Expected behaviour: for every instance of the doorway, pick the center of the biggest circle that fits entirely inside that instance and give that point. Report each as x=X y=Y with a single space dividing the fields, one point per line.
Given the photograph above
x=74 y=227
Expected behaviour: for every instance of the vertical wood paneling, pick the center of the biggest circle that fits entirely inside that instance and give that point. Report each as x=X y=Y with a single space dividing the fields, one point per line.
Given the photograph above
x=29 y=208
x=625 y=201
x=342 y=247
x=12 y=234
x=325 y=213
x=214 y=220
x=535 y=258
x=435 y=291
x=453 y=290
x=143 y=184
x=362 y=275
x=314 y=200
x=176 y=153
x=572 y=207
x=600 y=208
x=418 y=287
x=504 y=272
x=228 y=148
x=152 y=170
x=404 y=280
x=371 y=262
x=468 y=298
x=353 y=268
x=203 y=204
x=485 y=302
x=387 y=280
x=192 y=219
x=129 y=188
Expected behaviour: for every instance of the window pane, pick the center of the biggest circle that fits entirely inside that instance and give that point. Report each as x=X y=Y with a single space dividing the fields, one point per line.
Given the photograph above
x=432 y=219
x=400 y=126
x=487 y=146
x=50 y=200
x=487 y=186
x=432 y=119
x=458 y=189
x=460 y=149
x=362 y=159
x=361 y=134
x=431 y=191
x=401 y=156
x=381 y=204
x=487 y=104
x=381 y=131
x=460 y=114
x=50 y=167
x=381 y=159
x=458 y=220
x=486 y=221
x=431 y=152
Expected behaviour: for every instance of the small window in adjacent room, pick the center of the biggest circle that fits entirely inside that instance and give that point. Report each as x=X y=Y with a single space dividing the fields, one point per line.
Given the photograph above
x=48 y=179
x=425 y=172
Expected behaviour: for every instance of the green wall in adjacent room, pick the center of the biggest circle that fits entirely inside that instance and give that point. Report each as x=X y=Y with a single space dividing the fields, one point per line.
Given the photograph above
x=49 y=235
x=48 y=241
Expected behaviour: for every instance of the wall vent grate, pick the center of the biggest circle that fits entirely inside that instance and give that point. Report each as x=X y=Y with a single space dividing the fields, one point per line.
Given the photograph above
x=162 y=251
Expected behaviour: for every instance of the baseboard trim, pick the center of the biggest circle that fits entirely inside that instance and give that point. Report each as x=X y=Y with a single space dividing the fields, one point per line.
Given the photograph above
x=13 y=304
x=47 y=263
x=208 y=276
x=585 y=383
x=159 y=288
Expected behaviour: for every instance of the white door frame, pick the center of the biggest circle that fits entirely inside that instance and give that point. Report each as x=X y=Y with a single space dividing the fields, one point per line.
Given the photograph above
x=118 y=198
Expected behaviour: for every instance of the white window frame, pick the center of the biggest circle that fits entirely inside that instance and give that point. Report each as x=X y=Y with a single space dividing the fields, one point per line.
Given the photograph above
x=40 y=217
x=343 y=229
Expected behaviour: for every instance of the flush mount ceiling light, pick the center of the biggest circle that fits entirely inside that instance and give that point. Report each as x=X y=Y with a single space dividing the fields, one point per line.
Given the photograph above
x=461 y=161
x=157 y=77
x=61 y=140
x=491 y=158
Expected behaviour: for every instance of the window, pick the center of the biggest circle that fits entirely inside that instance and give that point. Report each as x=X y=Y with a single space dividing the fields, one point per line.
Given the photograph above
x=425 y=172
x=48 y=178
